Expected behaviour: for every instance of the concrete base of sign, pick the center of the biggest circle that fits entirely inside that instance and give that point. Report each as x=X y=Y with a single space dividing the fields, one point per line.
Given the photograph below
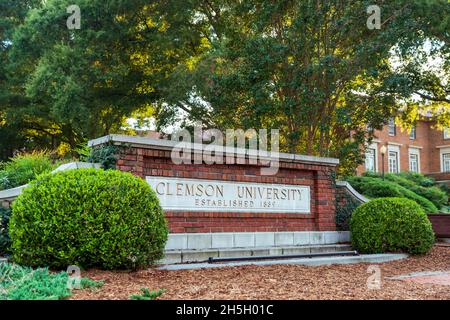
x=195 y=247
x=365 y=258
x=202 y=241
x=189 y=256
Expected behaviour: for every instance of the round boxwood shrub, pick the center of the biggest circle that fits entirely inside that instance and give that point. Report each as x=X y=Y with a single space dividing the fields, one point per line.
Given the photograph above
x=391 y=224
x=89 y=218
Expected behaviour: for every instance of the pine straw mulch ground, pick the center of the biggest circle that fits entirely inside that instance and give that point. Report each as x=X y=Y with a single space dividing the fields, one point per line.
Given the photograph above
x=278 y=281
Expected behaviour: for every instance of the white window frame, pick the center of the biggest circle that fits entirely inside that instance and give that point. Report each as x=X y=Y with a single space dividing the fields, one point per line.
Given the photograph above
x=374 y=146
x=415 y=152
x=414 y=163
x=396 y=149
x=448 y=163
x=413 y=133
x=393 y=169
x=442 y=152
x=374 y=153
x=391 y=124
x=446 y=133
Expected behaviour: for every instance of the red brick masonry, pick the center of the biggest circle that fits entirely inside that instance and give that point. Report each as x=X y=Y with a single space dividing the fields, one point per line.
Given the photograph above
x=147 y=159
x=441 y=224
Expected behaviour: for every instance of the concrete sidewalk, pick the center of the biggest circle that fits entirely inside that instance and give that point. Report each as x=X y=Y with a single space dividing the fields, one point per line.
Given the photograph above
x=366 y=258
x=426 y=277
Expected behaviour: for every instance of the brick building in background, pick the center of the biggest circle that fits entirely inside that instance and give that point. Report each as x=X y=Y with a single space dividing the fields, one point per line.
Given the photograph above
x=423 y=149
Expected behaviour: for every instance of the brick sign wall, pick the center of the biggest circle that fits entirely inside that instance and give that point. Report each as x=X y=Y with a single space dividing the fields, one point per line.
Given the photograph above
x=147 y=157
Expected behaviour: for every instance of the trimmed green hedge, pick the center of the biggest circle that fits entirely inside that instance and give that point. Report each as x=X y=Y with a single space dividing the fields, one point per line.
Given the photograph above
x=376 y=188
x=90 y=218
x=417 y=183
x=418 y=179
x=391 y=224
x=432 y=193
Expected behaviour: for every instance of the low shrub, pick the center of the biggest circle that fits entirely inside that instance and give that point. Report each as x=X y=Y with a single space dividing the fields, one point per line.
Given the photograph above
x=445 y=209
x=372 y=174
x=435 y=195
x=5 y=241
x=23 y=168
x=444 y=187
x=22 y=283
x=390 y=225
x=401 y=180
x=377 y=188
x=432 y=193
x=90 y=218
x=418 y=178
x=147 y=294
x=373 y=188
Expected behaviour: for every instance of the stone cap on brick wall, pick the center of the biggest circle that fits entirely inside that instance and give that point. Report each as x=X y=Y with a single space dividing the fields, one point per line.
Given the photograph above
x=162 y=144
x=352 y=191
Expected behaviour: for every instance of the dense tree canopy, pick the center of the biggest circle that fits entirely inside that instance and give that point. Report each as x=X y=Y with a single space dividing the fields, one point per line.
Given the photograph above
x=313 y=69
x=78 y=84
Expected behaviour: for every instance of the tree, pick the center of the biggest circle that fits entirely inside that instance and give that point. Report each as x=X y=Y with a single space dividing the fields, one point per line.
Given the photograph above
x=66 y=86
x=12 y=14
x=311 y=68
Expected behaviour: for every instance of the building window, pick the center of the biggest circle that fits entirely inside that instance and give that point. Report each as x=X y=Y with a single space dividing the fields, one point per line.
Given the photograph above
x=447 y=133
x=370 y=160
x=413 y=162
x=446 y=162
x=412 y=133
x=391 y=127
x=393 y=162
